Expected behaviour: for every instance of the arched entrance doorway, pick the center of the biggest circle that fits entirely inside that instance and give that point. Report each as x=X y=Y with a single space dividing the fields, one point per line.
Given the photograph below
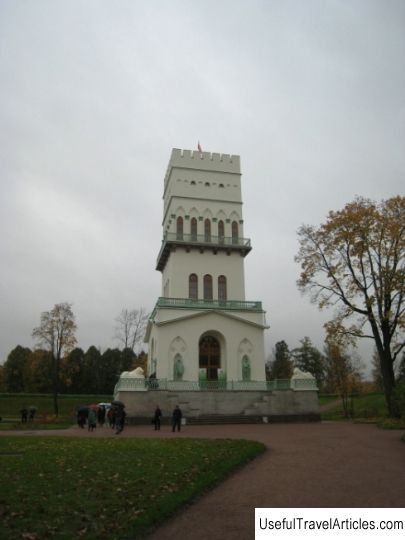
x=210 y=356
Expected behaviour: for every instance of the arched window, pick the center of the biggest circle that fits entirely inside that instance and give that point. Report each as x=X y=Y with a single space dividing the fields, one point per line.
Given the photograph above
x=221 y=231
x=207 y=230
x=235 y=232
x=193 y=229
x=193 y=287
x=207 y=287
x=179 y=228
x=222 y=288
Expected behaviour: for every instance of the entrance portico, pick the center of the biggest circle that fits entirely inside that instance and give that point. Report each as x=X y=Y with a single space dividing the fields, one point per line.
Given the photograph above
x=210 y=356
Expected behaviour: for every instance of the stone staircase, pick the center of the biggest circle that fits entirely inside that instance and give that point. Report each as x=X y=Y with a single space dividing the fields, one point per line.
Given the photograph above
x=217 y=419
x=254 y=413
x=255 y=408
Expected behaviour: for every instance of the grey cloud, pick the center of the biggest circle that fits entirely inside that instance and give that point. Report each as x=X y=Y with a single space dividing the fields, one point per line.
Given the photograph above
x=94 y=95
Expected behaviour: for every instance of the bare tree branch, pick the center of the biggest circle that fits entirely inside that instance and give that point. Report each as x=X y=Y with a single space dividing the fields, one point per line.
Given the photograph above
x=131 y=326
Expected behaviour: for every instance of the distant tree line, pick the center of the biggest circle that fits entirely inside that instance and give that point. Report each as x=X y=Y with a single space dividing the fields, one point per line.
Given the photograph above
x=80 y=372
x=337 y=370
x=58 y=366
x=307 y=358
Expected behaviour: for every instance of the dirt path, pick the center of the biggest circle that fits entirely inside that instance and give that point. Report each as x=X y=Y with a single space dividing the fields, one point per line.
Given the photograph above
x=328 y=464
x=330 y=405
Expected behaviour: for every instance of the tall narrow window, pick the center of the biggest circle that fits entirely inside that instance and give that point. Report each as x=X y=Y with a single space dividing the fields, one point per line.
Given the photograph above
x=235 y=232
x=222 y=288
x=179 y=228
x=193 y=287
x=193 y=229
x=207 y=287
x=221 y=231
x=207 y=230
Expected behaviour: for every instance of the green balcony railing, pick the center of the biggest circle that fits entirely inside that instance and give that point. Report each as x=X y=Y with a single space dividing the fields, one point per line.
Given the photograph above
x=132 y=384
x=207 y=239
x=238 y=305
x=200 y=240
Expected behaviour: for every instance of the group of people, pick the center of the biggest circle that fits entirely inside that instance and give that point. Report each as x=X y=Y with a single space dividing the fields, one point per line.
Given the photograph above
x=97 y=414
x=115 y=415
x=177 y=415
x=28 y=414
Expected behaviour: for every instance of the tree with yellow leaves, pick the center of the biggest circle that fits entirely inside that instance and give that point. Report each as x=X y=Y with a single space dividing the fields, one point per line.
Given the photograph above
x=355 y=262
x=56 y=333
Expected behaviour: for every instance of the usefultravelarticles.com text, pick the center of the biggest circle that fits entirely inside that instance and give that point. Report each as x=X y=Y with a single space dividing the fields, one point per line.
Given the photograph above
x=299 y=523
x=329 y=523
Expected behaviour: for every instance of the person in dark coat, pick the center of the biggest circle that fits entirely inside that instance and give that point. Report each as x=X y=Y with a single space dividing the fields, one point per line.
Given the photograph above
x=176 y=418
x=120 y=415
x=101 y=415
x=32 y=411
x=111 y=417
x=81 y=417
x=156 y=417
x=24 y=415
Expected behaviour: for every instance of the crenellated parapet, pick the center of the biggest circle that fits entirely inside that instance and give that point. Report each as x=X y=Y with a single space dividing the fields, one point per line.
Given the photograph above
x=206 y=161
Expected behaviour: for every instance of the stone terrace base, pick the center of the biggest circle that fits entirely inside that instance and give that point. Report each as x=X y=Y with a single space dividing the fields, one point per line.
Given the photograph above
x=216 y=419
x=223 y=406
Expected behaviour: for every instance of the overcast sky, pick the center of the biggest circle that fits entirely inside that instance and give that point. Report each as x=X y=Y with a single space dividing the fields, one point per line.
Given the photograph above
x=94 y=94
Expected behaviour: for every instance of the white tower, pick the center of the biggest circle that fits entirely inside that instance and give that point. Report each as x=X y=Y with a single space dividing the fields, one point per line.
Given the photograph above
x=202 y=330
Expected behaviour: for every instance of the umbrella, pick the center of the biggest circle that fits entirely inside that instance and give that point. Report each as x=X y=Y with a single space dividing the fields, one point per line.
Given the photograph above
x=82 y=408
x=93 y=406
x=118 y=403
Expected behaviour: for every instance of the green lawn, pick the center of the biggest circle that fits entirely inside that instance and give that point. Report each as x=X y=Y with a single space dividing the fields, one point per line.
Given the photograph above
x=53 y=487
x=370 y=407
x=327 y=398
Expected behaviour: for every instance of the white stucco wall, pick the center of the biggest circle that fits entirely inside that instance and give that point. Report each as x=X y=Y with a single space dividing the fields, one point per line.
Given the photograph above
x=165 y=314
x=182 y=263
x=202 y=209
x=236 y=338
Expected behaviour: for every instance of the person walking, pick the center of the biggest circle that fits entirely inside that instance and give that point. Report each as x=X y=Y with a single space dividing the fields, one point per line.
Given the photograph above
x=32 y=411
x=176 y=418
x=120 y=415
x=101 y=415
x=156 y=418
x=92 y=420
x=81 y=417
x=24 y=415
x=111 y=417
